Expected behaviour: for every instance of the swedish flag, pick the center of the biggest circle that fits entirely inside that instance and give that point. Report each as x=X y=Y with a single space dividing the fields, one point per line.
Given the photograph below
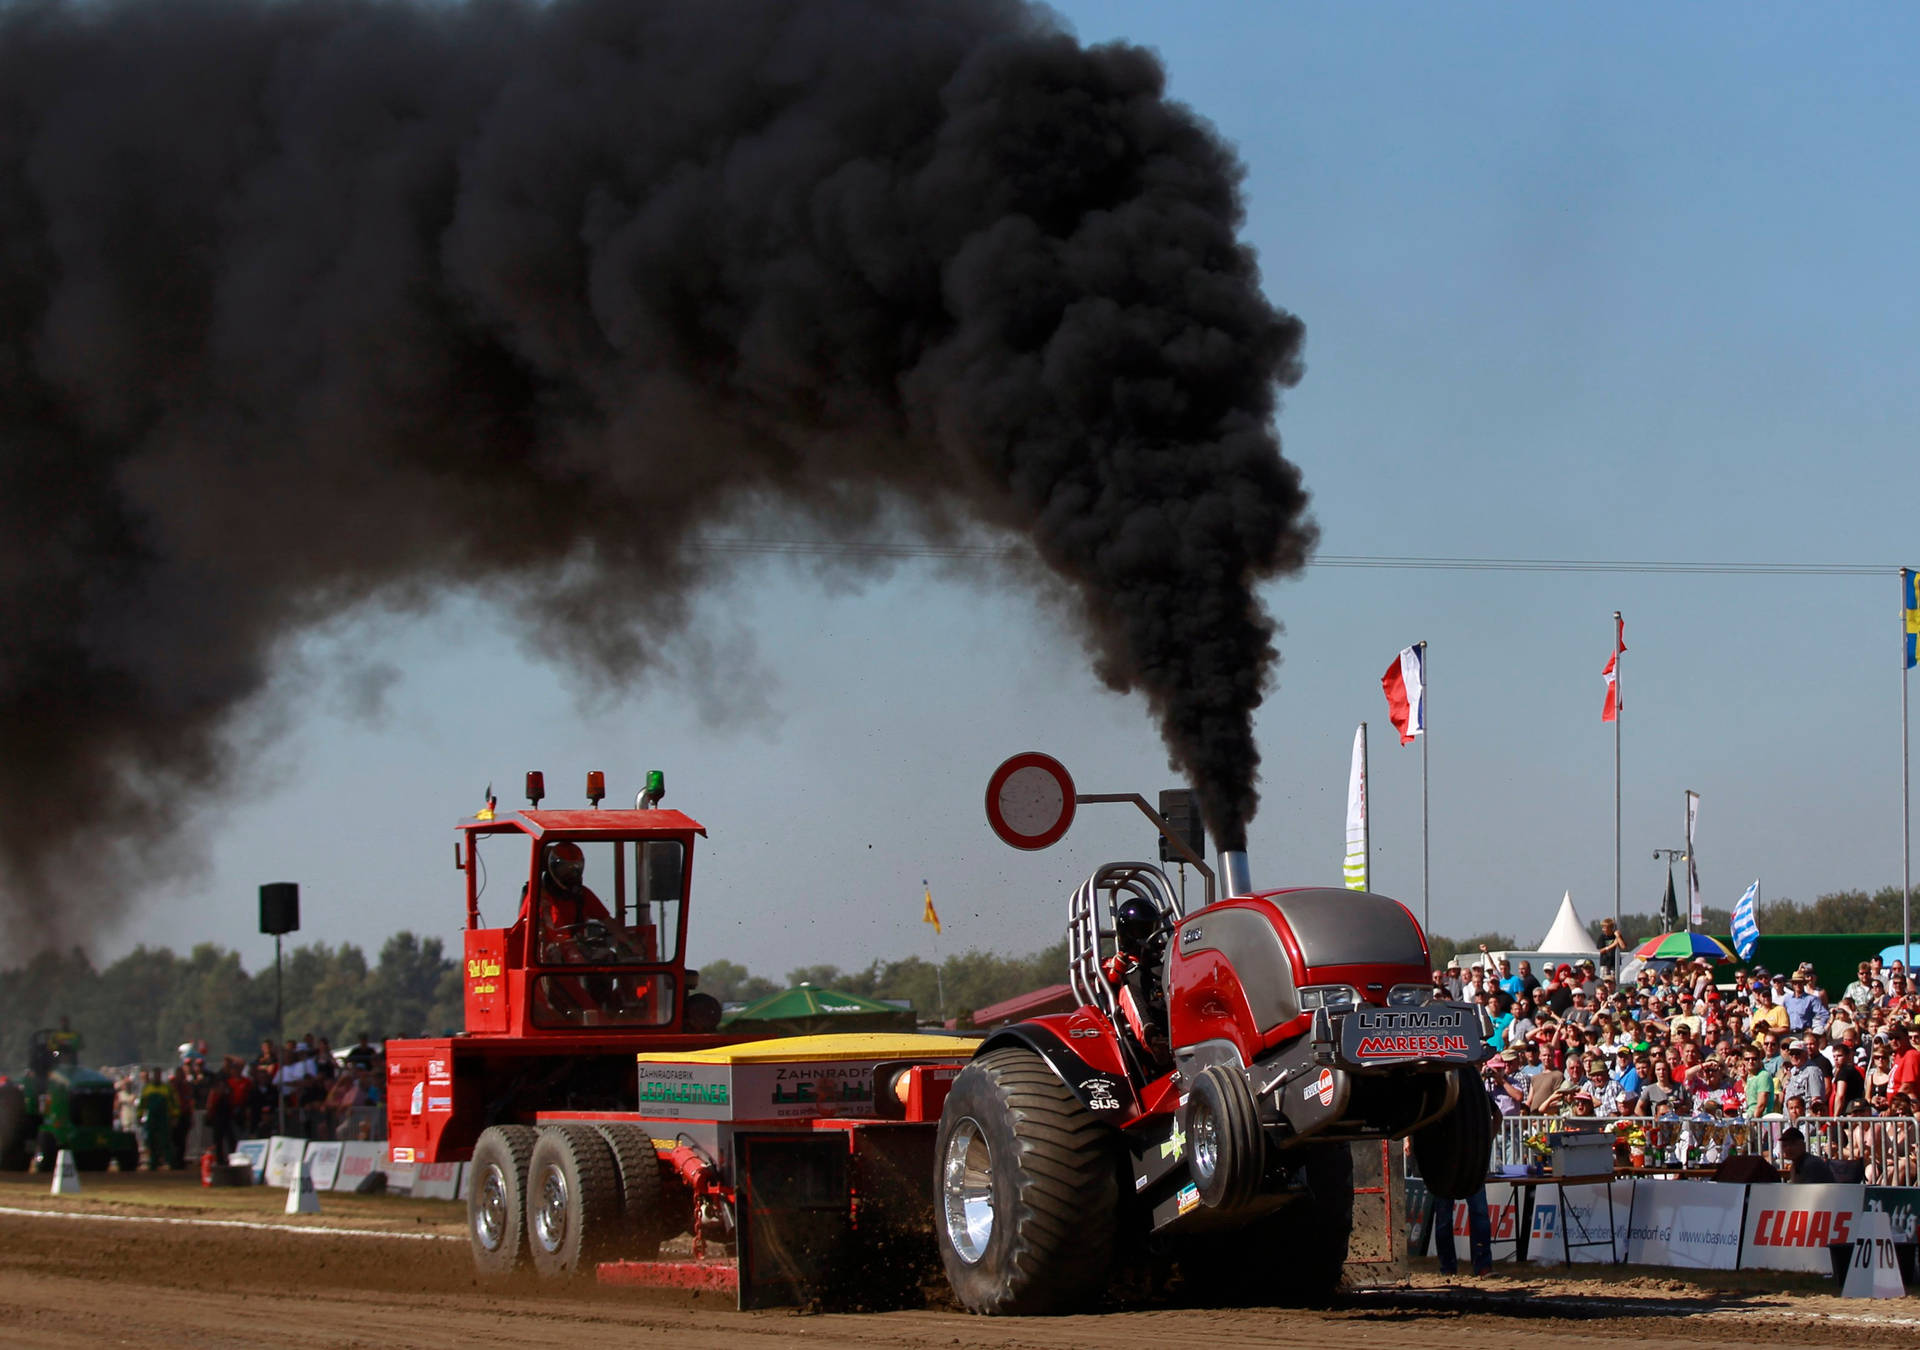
x=1910 y=606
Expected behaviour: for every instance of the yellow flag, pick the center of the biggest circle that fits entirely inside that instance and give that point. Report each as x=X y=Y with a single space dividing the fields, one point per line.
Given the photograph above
x=930 y=914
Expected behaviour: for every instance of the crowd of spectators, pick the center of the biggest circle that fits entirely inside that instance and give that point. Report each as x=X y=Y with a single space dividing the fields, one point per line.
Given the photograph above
x=301 y=1088
x=1673 y=1044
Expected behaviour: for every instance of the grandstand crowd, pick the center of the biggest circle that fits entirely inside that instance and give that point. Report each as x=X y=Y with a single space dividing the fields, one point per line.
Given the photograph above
x=1675 y=1045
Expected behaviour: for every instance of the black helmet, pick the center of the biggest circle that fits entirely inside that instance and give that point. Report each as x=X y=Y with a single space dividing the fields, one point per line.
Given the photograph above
x=1135 y=922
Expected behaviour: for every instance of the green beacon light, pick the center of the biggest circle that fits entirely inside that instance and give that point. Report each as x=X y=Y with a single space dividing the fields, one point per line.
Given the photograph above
x=656 y=789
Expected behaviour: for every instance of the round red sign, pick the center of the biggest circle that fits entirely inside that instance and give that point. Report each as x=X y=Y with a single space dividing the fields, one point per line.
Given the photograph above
x=1030 y=801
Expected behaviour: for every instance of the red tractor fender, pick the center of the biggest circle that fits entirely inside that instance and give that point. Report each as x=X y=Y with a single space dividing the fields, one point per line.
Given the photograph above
x=1081 y=1049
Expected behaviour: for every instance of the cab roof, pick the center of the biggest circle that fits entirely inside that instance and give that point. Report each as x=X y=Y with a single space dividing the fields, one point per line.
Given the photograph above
x=586 y=823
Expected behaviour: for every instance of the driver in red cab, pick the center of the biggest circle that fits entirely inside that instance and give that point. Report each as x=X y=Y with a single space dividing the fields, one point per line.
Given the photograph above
x=566 y=902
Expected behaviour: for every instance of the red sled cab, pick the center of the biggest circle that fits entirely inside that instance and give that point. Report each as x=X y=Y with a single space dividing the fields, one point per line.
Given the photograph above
x=583 y=966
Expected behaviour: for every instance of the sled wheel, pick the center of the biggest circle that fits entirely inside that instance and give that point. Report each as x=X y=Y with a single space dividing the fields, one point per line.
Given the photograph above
x=573 y=1201
x=1226 y=1150
x=1454 y=1151
x=496 y=1197
x=643 y=1211
x=1024 y=1191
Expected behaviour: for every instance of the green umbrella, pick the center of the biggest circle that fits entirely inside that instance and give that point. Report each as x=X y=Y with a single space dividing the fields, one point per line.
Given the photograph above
x=809 y=1008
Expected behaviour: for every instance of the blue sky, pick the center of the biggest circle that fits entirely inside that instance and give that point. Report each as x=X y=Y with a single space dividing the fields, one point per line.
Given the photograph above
x=1601 y=282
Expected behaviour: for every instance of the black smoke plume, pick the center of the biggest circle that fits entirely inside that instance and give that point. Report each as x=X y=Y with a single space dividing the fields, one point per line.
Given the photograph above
x=306 y=305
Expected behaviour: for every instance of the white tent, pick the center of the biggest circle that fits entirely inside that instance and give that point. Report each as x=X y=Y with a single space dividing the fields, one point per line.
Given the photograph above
x=1568 y=936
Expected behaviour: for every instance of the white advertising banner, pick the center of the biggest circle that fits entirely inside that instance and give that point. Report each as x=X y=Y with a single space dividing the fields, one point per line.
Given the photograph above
x=283 y=1160
x=358 y=1158
x=1693 y=1225
x=436 y=1181
x=1588 y=1219
x=323 y=1161
x=1790 y=1227
x=256 y=1151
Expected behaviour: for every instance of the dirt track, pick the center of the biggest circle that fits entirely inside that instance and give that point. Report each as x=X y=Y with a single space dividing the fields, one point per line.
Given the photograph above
x=65 y=1281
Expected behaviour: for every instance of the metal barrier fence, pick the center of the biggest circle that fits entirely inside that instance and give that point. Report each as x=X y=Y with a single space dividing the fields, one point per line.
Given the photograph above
x=1888 y=1146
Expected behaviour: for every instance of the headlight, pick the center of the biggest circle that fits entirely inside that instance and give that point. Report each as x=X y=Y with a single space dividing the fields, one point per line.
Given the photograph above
x=1409 y=995
x=1333 y=997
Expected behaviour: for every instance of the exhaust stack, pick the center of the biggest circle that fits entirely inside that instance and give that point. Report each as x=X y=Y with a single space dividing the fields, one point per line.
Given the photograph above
x=1236 y=875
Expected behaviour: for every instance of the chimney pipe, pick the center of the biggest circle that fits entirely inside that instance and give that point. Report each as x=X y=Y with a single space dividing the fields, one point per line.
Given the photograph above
x=1236 y=875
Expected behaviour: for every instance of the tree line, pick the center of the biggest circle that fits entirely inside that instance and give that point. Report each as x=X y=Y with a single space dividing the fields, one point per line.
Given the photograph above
x=140 y=1008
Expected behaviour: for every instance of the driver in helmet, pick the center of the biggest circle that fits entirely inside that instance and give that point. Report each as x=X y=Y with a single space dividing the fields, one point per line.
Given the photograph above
x=1135 y=968
x=567 y=903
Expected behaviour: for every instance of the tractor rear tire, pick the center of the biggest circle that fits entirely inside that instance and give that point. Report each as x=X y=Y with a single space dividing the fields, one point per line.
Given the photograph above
x=642 y=1204
x=573 y=1201
x=1455 y=1151
x=1025 y=1190
x=1226 y=1151
x=16 y=1127
x=497 y=1198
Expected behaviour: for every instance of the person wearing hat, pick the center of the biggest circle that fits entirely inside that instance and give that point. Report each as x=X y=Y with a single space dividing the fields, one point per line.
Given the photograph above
x=1801 y=1003
x=1806 y=1078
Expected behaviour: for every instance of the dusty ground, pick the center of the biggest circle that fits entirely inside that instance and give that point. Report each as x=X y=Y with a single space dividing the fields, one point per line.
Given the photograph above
x=401 y=1277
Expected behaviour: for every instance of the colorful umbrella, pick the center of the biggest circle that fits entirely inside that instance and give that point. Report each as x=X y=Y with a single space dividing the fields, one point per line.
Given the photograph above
x=1682 y=947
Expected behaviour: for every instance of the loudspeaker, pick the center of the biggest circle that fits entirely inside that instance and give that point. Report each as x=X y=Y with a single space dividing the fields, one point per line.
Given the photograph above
x=280 y=907
x=1180 y=808
x=1747 y=1169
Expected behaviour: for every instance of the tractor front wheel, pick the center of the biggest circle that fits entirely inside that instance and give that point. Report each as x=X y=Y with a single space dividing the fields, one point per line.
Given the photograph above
x=496 y=1197
x=573 y=1201
x=1025 y=1191
x=1454 y=1151
x=1226 y=1150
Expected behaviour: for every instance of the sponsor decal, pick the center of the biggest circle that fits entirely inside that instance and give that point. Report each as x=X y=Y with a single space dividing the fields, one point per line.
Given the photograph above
x=1189 y=1197
x=483 y=969
x=1801 y=1227
x=1321 y=1087
x=1176 y=1144
x=419 y=1094
x=1191 y=935
x=440 y=1105
x=436 y=1068
x=1100 y=1095
x=1409 y=1047
x=403 y=1155
x=1083 y=1033
x=696 y=1094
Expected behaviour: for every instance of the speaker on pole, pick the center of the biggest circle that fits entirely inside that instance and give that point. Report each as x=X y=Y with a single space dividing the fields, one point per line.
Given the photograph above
x=280 y=907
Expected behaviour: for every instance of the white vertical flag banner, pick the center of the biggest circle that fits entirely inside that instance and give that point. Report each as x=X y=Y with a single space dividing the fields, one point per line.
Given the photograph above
x=1746 y=922
x=1357 y=879
x=1696 y=911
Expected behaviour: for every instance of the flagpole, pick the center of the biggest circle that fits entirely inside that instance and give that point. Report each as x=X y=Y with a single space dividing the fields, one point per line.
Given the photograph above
x=1619 y=706
x=1426 y=734
x=1906 y=809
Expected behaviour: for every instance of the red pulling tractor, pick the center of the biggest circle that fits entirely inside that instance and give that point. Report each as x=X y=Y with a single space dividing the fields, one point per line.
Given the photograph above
x=1195 y=1110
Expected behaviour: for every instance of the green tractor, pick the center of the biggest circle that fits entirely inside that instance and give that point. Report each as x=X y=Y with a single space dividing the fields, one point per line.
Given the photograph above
x=61 y=1104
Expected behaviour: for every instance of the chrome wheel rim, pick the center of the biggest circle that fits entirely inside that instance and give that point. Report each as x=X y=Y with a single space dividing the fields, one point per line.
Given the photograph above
x=490 y=1215
x=550 y=1214
x=967 y=1191
x=1205 y=1142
